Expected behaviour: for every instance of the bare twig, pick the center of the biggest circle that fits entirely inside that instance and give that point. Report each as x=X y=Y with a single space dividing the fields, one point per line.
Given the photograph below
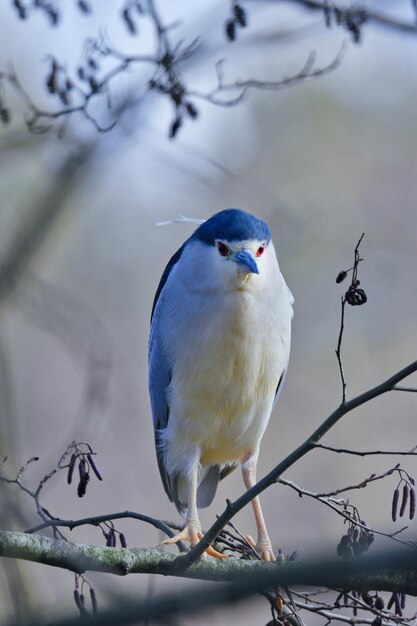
x=307 y=72
x=412 y=452
x=352 y=296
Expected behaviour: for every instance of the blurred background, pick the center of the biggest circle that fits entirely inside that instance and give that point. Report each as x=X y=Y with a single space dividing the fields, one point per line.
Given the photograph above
x=81 y=257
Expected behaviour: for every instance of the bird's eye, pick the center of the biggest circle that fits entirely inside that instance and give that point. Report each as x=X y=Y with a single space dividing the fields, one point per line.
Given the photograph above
x=222 y=248
x=260 y=251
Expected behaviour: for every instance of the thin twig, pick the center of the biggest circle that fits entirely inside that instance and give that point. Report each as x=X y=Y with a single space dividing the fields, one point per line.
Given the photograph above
x=412 y=452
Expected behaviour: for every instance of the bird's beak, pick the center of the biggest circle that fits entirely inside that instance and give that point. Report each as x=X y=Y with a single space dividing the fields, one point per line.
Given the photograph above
x=244 y=257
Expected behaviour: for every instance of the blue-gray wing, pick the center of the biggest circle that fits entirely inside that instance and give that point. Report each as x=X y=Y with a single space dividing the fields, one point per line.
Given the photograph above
x=159 y=380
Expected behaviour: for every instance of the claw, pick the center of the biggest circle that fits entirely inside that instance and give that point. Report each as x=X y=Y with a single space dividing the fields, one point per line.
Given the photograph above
x=193 y=536
x=263 y=548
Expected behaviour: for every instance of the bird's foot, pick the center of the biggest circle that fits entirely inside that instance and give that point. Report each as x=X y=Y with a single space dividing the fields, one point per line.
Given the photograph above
x=263 y=548
x=192 y=535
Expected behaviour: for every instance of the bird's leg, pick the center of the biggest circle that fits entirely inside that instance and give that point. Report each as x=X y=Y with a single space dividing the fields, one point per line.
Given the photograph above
x=192 y=529
x=263 y=545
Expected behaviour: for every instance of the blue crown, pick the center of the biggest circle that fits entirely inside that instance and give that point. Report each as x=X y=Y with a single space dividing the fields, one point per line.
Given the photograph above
x=233 y=225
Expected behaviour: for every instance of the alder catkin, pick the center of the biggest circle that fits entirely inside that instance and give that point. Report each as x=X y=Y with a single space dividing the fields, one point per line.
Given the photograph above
x=71 y=468
x=404 y=501
x=395 y=499
x=412 y=502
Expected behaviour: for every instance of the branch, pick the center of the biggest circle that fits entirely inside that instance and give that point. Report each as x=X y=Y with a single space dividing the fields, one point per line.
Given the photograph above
x=379 y=19
x=234 y=507
x=96 y=520
x=394 y=572
x=412 y=452
x=307 y=72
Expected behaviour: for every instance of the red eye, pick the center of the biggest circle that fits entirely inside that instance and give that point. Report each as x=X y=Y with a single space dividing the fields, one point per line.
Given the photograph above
x=222 y=248
x=260 y=251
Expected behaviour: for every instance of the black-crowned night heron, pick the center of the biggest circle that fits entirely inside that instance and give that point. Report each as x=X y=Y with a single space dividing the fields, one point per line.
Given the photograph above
x=218 y=352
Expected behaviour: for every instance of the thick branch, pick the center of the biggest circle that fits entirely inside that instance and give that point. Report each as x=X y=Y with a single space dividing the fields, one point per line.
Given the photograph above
x=392 y=573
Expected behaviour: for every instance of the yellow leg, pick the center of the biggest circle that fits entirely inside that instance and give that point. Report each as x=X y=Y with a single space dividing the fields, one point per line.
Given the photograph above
x=263 y=545
x=192 y=529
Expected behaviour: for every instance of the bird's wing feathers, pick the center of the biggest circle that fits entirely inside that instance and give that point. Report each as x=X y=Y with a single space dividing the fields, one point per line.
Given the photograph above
x=159 y=380
x=171 y=263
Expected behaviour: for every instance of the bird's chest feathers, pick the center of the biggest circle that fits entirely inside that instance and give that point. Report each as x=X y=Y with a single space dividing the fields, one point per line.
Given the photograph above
x=230 y=367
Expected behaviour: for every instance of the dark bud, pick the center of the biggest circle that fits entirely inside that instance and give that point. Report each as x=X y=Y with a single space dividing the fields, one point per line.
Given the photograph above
x=167 y=60
x=71 y=468
x=355 y=32
x=63 y=96
x=21 y=11
x=130 y=24
x=391 y=601
x=240 y=15
x=93 y=466
x=82 y=485
x=327 y=15
x=397 y=604
x=111 y=538
x=355 y=297
x=394 y=509
x=80 y=605
x=68 y=84
x=379 y=603
x=403 y=600
x=53 y=16
x=404 y=501
x=175 y=126
x=92 y=63
x=84 y=7
x=93 y=84
x=367 y=598
x=81 y=73
x=191 y=110
x=344 y=550
x=123 y=541
x=377 y=621
x=230 y=30
x=5 y=116
x=176 y=95
x=82 y=468
x=412 y=502
x=341 y=276
x=82 y=599
x=93 y=600
x=139 y=8
x=51 y=82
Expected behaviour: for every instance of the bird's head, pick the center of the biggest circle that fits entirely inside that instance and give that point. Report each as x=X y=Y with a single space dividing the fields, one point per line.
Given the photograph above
x=231 y=250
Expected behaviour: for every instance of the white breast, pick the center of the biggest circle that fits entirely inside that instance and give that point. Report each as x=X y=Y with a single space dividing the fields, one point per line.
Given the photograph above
x=228 y=350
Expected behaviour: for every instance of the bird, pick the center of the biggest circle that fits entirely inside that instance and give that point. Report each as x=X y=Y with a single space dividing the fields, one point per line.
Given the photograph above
x=219 y=347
